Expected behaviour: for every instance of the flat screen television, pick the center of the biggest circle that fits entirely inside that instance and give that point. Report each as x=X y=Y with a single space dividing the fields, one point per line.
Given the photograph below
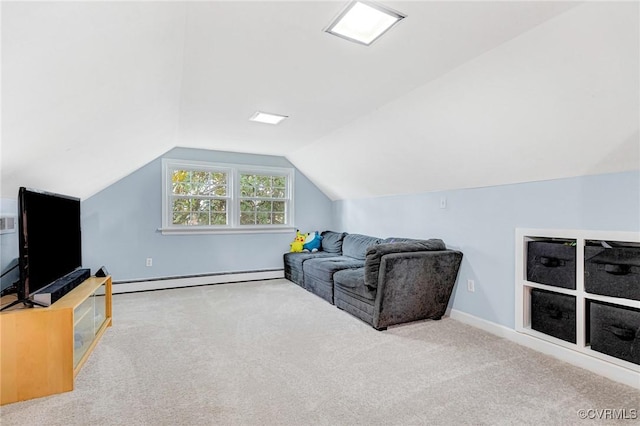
x=49 y=239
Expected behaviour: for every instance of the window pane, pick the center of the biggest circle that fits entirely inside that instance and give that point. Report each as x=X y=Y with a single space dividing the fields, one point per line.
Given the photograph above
x=264 y=206
x=181 y=205
x=247 y=218
x=279 y=193
x=186 y=189
x=247 y=180
x=247 y=185
x=181 y=188
x=201 y=219
x=220 y=191
x=179 y=176
x=263 y=192
x=279 y=181
x=247 y=191
x=264 y=218
x=199 y=177
x=219 y=178
x=208 y=189
x=278 y=206
x=219 y=205
x=247 y=206
x=180 y=218
x=200 y=205
x=277 y=218
x=263 y=180
x=218 y=219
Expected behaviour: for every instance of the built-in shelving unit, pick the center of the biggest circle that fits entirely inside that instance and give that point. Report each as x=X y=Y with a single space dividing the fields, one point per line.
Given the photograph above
x=43 y=349
x=608 y=365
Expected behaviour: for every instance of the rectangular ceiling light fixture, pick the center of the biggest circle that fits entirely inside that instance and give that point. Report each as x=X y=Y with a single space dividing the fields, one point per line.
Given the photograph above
x=268 y=118
x=364 y=22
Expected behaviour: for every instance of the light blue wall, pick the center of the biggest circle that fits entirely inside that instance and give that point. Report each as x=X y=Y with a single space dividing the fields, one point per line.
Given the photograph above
x=9 y=245
x=481 y=223
x=119 y=226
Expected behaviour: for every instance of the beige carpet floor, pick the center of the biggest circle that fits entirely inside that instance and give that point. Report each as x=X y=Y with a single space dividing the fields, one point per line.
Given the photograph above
x=270 y=353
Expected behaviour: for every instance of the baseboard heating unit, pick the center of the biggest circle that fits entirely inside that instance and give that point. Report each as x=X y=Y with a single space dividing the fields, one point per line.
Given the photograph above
x=130 y=286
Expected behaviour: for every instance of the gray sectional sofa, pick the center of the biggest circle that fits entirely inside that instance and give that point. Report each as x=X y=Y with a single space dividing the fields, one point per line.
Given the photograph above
x=381 y=281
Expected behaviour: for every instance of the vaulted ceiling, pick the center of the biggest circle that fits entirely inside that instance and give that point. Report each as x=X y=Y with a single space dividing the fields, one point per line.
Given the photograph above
x=458 y=95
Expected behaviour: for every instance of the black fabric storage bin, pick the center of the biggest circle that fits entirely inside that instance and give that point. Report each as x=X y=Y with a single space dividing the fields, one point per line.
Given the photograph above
x=552 y=263
x=554 y=314
x=615 y=331
x=612 y=271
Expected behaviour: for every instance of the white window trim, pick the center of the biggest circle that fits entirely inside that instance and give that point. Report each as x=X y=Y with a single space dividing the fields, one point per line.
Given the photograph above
x=233 y=226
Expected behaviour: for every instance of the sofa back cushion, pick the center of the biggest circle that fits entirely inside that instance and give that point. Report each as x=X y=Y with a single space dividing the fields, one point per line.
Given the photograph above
x=332 y=241
x=397 y=240
x=356 y=245
x=375 y=253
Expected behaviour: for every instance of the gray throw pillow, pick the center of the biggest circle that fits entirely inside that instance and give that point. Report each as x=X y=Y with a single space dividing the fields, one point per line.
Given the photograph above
x=332 y=241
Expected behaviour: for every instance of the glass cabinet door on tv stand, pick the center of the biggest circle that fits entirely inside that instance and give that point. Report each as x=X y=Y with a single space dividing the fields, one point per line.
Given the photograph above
x=88 y=319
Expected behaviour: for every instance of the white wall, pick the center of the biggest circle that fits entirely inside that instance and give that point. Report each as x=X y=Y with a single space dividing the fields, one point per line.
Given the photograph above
x=90 y=91
x=481 y=223
x=558 y=101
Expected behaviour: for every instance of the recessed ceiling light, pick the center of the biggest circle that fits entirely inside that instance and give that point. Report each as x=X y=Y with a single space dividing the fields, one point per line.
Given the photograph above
x=363 y=22
x=267 y=117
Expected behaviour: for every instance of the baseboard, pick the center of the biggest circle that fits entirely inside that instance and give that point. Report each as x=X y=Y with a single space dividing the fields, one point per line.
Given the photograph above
x=598 y=366
x=195 y=280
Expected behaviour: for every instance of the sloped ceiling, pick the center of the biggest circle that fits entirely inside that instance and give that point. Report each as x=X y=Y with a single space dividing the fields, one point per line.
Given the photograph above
x=460 y=94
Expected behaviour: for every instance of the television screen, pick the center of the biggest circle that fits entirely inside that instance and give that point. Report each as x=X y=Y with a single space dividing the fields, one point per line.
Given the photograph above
x=49 y=238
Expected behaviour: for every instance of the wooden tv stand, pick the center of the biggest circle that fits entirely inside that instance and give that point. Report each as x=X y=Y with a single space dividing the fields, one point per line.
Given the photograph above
x=43 y=349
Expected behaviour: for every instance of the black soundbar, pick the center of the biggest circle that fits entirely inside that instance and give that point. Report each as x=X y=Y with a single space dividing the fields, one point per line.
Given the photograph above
x=61 y=286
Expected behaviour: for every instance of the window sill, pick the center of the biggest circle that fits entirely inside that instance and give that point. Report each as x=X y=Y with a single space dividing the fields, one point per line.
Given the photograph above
x=243 y=230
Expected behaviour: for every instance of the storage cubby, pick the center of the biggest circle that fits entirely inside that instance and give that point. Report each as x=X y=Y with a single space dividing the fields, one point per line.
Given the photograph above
x=554 y=314
x=612 y=268
x=613 y=330
x=580 y=290
x=552 y=261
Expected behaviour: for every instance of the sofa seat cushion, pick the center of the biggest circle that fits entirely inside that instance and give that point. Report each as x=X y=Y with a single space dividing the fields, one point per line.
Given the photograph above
x=325 y=267
x=294 y=276
x=295 y=260
x=293 y=265
x=352 y=281
x=356 y=245
x=356 y=306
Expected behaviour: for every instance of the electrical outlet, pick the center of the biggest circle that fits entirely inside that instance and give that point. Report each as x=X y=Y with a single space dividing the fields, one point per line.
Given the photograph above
x=149 y=261
x=471 y=286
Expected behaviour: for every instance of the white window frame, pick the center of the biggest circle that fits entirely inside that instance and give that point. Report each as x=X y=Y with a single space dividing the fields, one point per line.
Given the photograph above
x=233 y=205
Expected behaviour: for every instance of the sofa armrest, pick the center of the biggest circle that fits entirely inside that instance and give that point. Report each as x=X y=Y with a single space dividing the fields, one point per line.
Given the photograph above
x=375 y=253
x=414 y=286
